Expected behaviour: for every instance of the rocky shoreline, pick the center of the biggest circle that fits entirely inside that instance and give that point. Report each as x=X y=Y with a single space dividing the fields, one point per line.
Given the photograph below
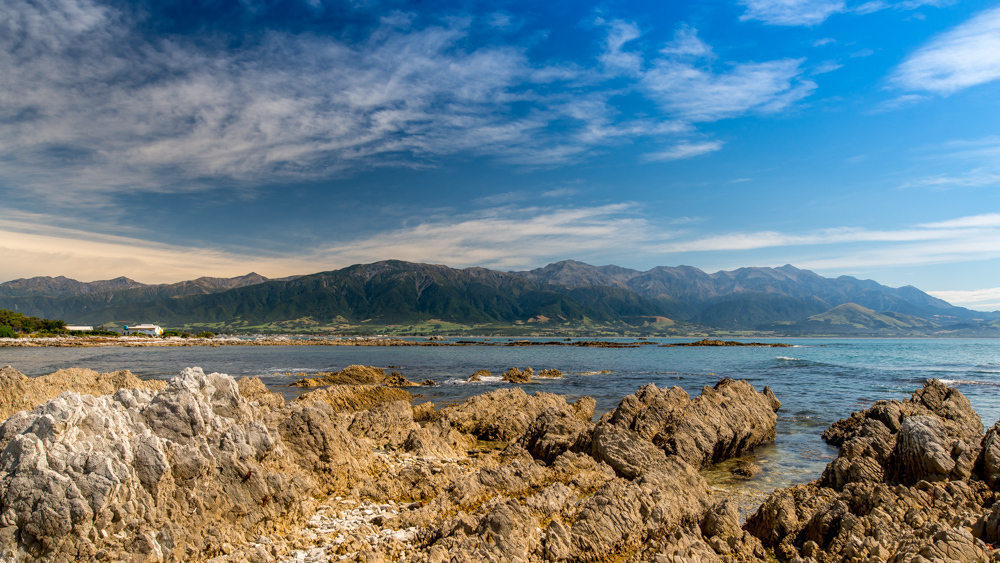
x=207 y=468
x=176 y=341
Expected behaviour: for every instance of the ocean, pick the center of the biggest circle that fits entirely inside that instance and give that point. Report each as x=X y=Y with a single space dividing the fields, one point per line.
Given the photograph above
x=818 y=380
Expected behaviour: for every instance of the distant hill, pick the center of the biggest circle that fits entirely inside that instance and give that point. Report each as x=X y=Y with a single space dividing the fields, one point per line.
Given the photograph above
x=568 y=295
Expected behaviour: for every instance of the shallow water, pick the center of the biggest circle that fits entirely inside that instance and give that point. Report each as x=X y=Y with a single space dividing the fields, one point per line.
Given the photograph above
x=818 y=381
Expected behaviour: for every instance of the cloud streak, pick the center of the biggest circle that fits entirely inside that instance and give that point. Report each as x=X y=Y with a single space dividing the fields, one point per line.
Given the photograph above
x=791 y=12
x=966 y=56
x=981 y=299
x=91 y=107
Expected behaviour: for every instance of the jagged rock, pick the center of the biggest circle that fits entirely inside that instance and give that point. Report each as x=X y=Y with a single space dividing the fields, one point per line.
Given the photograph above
x=356 y=375
x=353 y=398
x=501 y=415
x=684 y=545
x=507 y=532
x=438 y=440
x=170 y=475
x=254 y=390
x=987 y=527
x=622 y=515
x=934 y=398
x=514 y=375
x=479 y=375
x=549 y=374
x=424 y=412
x=557 y=429
x=723 y=422
x=319 y=442
x=924 y=451
x=18 y=392
x=903 y=488
x=386 y=424
x=625 y=451
x=988 y=462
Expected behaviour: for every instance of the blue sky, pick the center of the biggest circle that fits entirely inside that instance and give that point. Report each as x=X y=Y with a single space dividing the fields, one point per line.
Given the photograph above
x=164 y=141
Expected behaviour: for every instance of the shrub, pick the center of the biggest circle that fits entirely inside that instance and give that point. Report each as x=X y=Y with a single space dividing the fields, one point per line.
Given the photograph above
x=206 y=335
x=7 y=332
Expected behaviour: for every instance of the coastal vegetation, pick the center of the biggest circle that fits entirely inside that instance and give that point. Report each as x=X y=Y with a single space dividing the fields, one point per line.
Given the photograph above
x=15 y=322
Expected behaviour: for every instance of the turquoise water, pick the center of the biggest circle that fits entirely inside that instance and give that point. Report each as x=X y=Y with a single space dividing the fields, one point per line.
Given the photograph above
x=818 y=381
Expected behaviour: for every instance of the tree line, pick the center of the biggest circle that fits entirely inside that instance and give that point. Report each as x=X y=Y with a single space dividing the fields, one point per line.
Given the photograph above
x=19 y=322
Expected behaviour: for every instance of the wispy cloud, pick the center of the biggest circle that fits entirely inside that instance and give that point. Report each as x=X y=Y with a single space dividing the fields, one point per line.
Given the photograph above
x=686 y=86
x=965 y=56
x=981 y=299
x=815 y=12
x=791 y=12
x=91 y=107
x=684 y=150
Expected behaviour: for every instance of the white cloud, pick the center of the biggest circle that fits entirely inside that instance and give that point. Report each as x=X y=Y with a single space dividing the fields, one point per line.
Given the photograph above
x=968 y=55
x=699 y=94
x=981 y=299
x=871 y=7
x=686 y=43
x=683 y=150
x=791 y=12
x=985 y=220
x=614 y=57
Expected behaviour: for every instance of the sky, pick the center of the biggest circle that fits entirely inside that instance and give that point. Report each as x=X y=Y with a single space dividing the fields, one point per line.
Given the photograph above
x=169 y=140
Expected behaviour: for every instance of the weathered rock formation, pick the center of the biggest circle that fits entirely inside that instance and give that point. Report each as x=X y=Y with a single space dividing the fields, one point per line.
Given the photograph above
x=725 y=421
x=913 y=482
x=211 y=468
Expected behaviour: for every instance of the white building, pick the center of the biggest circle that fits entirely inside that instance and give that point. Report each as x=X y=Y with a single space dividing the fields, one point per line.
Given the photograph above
x=148 y=329
x=79 y=328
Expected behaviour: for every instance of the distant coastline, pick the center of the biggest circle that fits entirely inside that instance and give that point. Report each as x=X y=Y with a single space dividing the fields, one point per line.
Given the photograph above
x=434 y=341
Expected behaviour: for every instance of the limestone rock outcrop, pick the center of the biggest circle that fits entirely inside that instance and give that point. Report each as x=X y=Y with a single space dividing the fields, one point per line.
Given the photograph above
x=175 y=475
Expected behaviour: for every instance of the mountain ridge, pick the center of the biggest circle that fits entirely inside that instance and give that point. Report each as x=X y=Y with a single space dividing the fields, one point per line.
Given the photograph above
x=563 y=295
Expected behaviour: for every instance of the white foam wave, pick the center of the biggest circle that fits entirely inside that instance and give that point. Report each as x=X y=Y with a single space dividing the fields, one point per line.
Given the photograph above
x=968 y=382
x=789 y=359
x=460 y=381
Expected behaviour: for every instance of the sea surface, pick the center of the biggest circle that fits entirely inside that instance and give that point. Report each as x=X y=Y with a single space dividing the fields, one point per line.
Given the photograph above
x=818 y=380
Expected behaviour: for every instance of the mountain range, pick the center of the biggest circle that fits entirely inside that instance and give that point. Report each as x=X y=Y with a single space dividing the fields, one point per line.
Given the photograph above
x=563 y=296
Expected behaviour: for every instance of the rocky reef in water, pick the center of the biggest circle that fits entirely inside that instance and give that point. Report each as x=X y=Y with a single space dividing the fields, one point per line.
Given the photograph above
x=208 y=468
